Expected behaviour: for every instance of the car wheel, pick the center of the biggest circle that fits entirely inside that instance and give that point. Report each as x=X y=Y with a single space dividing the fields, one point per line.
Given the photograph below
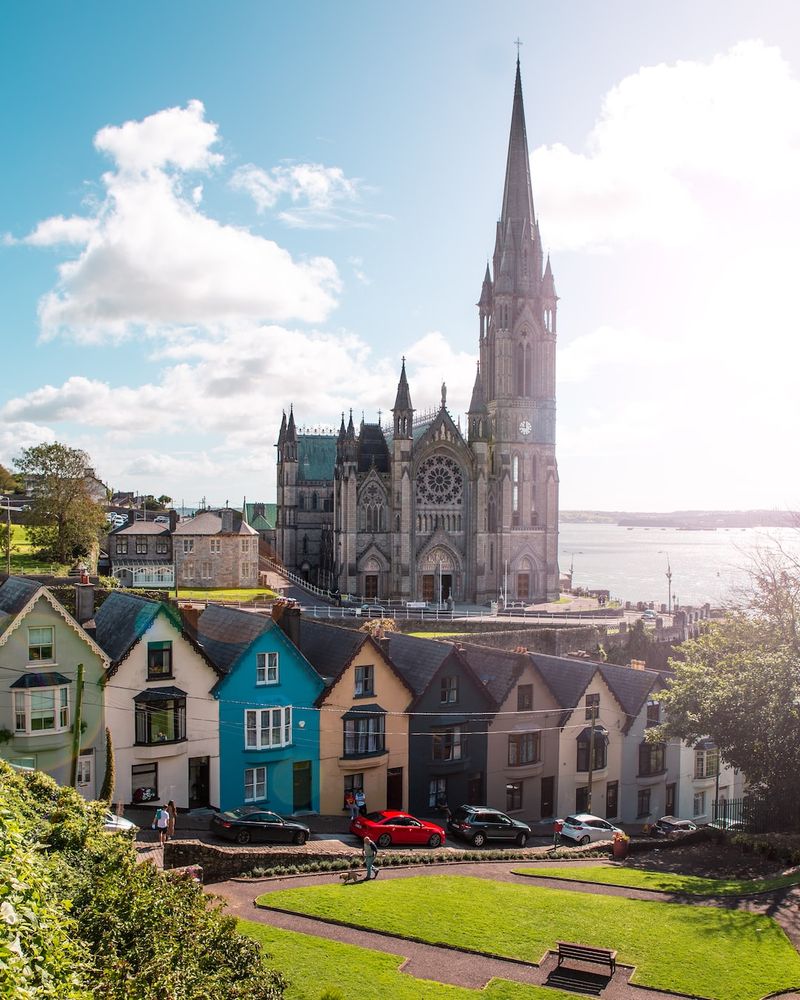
x=300 y=837
x=479 y=840
x=434 y=840
x=522 y=839
x=243 y=837
x=384 y=840
x=584 y=841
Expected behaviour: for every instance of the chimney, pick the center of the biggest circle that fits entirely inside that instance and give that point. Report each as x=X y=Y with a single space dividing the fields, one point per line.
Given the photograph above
x=227 y=521
x=638 y=664
x=84 y=602
x=173 y=520
x=287 y=615
x=190 y=617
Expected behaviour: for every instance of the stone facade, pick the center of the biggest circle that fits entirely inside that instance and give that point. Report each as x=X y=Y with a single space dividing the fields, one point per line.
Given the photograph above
x=215 y=549
x=417 y=511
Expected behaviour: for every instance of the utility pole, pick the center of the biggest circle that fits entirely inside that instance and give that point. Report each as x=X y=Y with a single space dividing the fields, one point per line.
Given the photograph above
x=8 y=527
x=669 y=587
x=76 y=727
x=591 y=759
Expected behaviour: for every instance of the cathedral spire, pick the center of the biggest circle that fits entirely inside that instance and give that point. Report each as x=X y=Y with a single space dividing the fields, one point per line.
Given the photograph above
x=282 y=431
x=291 y=430
x=548 y=283
x=403 y=398
x=478 y=402
x=517 y=194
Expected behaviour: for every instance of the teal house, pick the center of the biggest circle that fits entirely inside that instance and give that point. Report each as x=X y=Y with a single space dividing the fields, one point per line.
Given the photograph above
x=268 y=726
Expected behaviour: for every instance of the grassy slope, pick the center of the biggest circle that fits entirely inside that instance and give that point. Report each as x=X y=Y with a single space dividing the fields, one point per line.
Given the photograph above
x=23 y=559
x=665 y=881
x=223 y=594
x=703 y=950
x=311 y=965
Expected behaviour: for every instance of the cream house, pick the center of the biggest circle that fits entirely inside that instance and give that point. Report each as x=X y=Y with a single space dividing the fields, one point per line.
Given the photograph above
x=163 y=719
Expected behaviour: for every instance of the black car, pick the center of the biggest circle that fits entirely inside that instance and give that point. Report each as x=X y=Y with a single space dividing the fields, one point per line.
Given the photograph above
x=477 y=824
x=670 y=826
x=251 y=824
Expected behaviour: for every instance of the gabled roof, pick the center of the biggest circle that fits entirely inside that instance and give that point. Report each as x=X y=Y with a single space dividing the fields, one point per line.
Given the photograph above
x=329 y=648
x=372 y=449
x=261 y=516
x=416 y=660
x=497 y=669
x=209 y=522
x=15 y=594
x=123 y=619
x=226 y=633
x=316 y=457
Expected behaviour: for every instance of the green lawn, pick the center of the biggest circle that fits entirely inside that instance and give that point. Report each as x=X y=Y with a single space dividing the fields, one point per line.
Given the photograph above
x=665 y=881
x=311 y=965
x=23 y=558
x=434 y=635
x=704 y=950
x=222 y=594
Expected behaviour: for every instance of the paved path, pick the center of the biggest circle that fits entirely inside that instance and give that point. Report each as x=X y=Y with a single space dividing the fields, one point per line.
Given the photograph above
x=446 y=965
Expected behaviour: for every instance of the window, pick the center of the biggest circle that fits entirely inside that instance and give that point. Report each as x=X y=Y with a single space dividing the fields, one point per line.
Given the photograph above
x=144 y=782
x=699 y=804
x=188 y=545
x=652 y=758
x=267 y=728
x=84 y=772
x=515 y=488
x=524 y=697
x=612 y=799
x=205 y=569
x=141 y=546
x=643 y=802
x=437 y=792
x=653 y=714
x=364 y=735
x=600 y=749
x=706 y=763
x=159 y=660
x=162 y=721
x=40 y=644
x=266 y=668
x=365 y=682
x=245 y=545
x=669 y=807
x=513 y=796
x=450 y=744
x=162 y=546
x=41 y=710
x=582 y=799
x=255 y=784
x=216 y=546
x=449 y=691
x=592 y=706
x=523 y=748
x=122 y=546
x=352 y=783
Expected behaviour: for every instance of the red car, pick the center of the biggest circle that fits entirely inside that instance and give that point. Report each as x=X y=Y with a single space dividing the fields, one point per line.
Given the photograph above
x=393 y=827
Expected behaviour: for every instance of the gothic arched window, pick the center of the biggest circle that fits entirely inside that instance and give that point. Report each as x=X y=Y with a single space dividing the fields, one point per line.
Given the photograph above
x=515 y=482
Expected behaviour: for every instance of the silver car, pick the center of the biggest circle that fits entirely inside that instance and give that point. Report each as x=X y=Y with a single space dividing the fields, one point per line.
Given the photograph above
x=584 y=828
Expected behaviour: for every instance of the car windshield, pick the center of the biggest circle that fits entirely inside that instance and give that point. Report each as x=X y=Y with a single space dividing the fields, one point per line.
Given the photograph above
x=243 y=812
x=460 y=815
x=376 y=817
x=573 y=821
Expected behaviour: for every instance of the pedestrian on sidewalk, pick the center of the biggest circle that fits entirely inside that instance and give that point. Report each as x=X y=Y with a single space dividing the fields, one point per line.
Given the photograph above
x=361 y=801
x=350 y=802
x=370 y=853
x=162 y=822
x=172 y=812
x=558 y=826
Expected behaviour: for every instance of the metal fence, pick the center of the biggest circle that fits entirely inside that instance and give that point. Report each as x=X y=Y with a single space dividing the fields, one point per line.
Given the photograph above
x=753 y=814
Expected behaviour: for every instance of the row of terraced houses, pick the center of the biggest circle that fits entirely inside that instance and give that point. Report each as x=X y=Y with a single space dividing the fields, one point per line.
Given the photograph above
x=222 y=707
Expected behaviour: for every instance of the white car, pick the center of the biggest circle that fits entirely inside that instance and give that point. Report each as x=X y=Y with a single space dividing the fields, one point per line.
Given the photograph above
x=161 y=519
x=584 y=828
x=118 y=824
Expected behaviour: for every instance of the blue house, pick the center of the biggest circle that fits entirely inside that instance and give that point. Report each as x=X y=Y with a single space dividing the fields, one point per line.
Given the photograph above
x=268 y=727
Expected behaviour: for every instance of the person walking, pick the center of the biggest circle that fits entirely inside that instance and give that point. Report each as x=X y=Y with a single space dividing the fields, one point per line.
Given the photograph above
x=172 y=812
x=361 y=801
x=350 y=803
x=558 y=826
x=370 y=853
x=162 y=822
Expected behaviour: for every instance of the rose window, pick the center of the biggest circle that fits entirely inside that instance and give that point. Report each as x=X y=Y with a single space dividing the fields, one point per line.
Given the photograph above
x=439 y=481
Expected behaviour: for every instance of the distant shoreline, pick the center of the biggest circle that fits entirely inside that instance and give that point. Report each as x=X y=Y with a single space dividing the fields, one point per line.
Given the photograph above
x=689 y=520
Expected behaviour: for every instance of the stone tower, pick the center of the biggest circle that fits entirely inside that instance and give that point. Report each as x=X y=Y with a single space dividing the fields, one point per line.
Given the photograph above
x=517 y=317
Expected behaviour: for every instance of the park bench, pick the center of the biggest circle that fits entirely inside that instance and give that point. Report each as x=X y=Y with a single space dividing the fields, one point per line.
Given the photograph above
x=586 y=953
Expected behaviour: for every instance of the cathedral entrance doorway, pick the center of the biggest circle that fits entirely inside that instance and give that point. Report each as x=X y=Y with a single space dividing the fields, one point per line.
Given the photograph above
x=370 y=586
x=523 y=586
x=430 y=587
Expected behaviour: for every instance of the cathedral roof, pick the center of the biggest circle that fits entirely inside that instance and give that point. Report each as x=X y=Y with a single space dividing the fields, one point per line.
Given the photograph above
x=261 y=516
x=403 y=399
x=316 y=457
x=372 y=449
x=517 y=194
x=478 y=402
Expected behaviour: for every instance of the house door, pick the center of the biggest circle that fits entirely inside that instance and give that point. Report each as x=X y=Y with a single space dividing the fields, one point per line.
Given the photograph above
x=394 y=788
x=546 y=799
x=428 y=588
x=523 y=586
x=85 y=777
x=301 y=786
x=612 y=800
x=199 y=781
x=475 y=788
x=669 y=808
x=370 y=587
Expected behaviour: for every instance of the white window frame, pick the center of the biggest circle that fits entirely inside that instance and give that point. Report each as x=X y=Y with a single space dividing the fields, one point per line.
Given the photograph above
x=699 y=804
x=206 y=571
x=39 y=645
x=216 y=546
x=23 y=722
x=255 y=782
x=268 y=728
x=267 y=668
x=188 y=545
x=364 y=681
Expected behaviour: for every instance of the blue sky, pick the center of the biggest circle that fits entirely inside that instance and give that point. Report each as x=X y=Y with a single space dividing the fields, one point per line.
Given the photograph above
x=306 y=192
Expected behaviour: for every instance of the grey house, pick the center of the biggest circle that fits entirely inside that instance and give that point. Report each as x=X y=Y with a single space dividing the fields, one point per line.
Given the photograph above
x=140 y=554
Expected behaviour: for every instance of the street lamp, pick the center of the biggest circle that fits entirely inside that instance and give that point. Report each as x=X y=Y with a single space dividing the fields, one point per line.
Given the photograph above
x=7 y=502
x=571 y=554
x=668 y=575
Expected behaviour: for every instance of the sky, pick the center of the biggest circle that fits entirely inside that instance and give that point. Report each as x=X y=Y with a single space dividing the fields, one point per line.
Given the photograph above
x=211 y=212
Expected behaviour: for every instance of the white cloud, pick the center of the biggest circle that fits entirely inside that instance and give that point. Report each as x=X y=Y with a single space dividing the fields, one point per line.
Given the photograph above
x=674 y=146
x=318 y=186
x=580 y=358
x=51 y=232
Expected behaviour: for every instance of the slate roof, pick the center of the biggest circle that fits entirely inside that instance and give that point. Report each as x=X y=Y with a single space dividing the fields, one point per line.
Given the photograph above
x=210 y=523
x=226 y=633
x=372 y=449
x=141 y=528
x=329 y=648
x=316 y=457
x=121 y=620
x=15 y=594
x=261 y=516
x=498 y=669
x=416 y=660
x=36 y=680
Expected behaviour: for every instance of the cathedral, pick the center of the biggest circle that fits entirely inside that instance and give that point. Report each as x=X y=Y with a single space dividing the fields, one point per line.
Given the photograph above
x=416 y=511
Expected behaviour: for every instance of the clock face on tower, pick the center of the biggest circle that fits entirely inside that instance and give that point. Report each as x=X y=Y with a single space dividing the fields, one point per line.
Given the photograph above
x=525 y=427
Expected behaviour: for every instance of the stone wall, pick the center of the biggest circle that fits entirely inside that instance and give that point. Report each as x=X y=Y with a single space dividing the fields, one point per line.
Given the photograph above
x=220 y=863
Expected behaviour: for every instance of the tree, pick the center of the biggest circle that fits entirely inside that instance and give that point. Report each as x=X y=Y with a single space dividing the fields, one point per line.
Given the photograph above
x=164 y=500
x=8 y=483
x=64 y=522
x=110 y=779
x=739 y=683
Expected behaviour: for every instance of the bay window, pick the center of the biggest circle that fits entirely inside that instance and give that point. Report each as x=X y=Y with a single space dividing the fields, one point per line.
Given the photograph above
x=364 y=734
x=40 y=709
x=267 y=728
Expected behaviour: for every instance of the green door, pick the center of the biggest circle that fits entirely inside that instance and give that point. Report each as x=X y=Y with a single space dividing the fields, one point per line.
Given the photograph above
x=301 y=778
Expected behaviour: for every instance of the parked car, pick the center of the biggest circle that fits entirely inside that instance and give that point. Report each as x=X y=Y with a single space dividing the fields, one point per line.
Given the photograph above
x=477 y=824
x=669 y=826
x=584 y=828
x=118 y=824
x=648 y=615
x=250 y=823
x=393 y=827
x=732 y=825
x=161 y=519
x=116 y=520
